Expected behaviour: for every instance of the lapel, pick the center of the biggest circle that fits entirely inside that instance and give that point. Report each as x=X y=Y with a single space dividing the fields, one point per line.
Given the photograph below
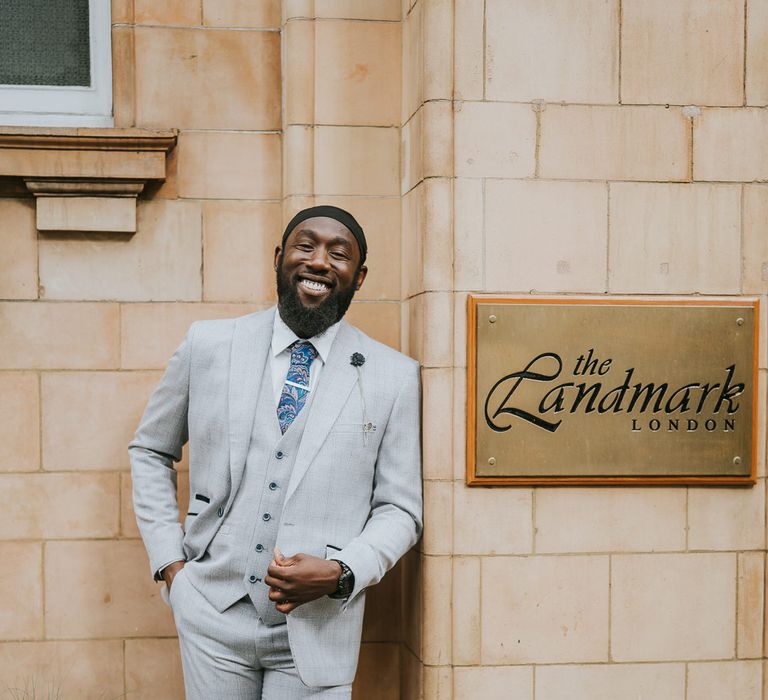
x=250 y=343
x=333 y=389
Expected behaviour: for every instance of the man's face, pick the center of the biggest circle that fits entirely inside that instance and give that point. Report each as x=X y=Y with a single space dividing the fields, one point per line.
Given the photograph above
x=318 y=273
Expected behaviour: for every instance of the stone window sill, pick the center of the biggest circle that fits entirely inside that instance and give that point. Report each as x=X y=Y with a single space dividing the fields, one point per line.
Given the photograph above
x=83 y=180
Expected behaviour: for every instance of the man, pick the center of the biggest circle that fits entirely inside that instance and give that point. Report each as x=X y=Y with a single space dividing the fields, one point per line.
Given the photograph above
x=305 y=484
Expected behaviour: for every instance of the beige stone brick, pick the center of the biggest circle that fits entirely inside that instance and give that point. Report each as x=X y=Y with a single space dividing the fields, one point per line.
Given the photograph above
x=460 y=330
x=128 y=527
x=438 y=682
x=379 y=320
x=59 y=335
x=731 y=144
x=466 y=611
x=413 y=61
x=567 y=53
x=412 y=241
x=438 y=517
x=725 y=680
x=351 y=9
x=411 y=609
x=750 y=603
x=755 y=242
x=615 y=520
x=177 y=12
x=438 y=239
x=492 y=521
x=150 y=333
x=42 y=162
x=544 y=609
x=494 y=140
x=673 y=238
x=84 y=214
x=667 y=607
x=432 y=319
x=197 y=79
x=102 y=589
x=88 y=670
x=123 y=74
x=757 y=53
x=229 y=165
x=59 y=506
x=239 y=240
x=160 y=262
x=459 y=424
x=436 y=625
x=18 y=249
x=469 y=50
x=357 y=73
x=344 y=156
x=726 y=518
x=704 y=65
x=438 y=50
x=153 y=669
x=298 y=72
x=613 y=143
x=437 y=397
x=382 y=618
x=21 y=615
x=298 y=163
x=412 y=147
x=19 y=422
x=90 y=417
x=468 y=234
x=411 y=675
x=493 y=683
x=242 y=13
x=545 y=236
x=378 y=673
x=122 y=11
x=608 y=682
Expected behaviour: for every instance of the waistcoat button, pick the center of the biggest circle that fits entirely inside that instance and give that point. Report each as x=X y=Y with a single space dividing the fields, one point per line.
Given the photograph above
x=280 y=454
x=259 y=547
x=272 y=486
x=252 y=578
x=266 y=517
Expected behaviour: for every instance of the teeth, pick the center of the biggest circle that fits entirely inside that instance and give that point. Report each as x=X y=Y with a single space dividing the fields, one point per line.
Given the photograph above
x=314 y=286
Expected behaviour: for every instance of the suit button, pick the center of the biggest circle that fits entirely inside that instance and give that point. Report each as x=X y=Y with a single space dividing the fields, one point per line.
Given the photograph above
x=272 y=486
x=259 y=547
x=280 y=454
x=266 y=517
x=220 y=511
x=253 y=578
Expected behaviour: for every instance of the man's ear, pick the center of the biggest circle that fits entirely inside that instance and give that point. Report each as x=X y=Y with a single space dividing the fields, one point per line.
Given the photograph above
x=361 y=274
x=277 y=255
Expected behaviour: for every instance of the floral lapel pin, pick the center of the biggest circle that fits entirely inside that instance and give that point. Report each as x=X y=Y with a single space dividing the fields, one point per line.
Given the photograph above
x=357 y=360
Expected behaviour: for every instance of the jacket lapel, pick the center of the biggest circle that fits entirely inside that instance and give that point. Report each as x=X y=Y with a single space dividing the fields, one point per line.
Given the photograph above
x=250 y=344
x=333 y=389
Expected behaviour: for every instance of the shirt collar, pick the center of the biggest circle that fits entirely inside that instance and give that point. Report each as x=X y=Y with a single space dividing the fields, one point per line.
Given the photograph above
x=283 y=337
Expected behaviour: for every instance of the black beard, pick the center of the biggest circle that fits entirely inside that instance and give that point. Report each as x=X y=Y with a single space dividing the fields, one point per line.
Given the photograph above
x=305 y=321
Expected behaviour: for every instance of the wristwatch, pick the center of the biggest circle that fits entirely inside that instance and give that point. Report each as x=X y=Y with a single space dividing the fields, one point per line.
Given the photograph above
x=346 y=582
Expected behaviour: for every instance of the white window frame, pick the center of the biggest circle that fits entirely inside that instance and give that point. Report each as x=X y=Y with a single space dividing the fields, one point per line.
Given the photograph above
x=67 y=105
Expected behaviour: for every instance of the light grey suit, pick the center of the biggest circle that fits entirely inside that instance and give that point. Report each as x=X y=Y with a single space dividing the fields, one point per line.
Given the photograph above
x=208 y=396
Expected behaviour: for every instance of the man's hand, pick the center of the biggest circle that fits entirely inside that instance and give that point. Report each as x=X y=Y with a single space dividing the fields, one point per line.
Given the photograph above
x=170 y=571
x=299 y=579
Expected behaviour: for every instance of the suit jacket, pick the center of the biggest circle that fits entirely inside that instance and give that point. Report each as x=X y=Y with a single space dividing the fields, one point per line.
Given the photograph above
x=371 y=485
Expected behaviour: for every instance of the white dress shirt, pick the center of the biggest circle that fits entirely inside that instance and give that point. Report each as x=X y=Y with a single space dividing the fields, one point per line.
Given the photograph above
x=280 y=357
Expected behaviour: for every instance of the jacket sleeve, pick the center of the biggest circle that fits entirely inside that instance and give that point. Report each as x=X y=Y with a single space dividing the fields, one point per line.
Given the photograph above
x=395 y=523
x=156 y=445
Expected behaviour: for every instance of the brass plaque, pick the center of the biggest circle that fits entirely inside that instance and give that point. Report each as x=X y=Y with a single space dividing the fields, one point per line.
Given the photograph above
x=611 y=390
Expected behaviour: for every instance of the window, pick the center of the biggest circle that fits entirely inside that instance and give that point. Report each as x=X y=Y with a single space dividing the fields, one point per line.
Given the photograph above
x=55 y=63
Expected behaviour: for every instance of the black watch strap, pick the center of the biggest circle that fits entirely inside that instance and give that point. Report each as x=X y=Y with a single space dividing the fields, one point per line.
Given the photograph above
x=346 y=581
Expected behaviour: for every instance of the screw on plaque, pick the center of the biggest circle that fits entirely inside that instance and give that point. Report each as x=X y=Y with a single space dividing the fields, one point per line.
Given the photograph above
x=492 y=461
x=737 y=461
x=492 y=318
x=739 y=321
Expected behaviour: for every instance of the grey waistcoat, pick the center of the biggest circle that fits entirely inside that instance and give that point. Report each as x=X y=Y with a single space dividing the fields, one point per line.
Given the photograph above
x=237 y=558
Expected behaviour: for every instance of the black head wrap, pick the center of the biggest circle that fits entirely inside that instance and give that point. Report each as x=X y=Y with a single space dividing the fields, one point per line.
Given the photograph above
x=331 y=212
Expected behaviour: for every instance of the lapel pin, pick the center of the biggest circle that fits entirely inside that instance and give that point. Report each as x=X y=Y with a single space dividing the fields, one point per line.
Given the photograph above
x=357 y=360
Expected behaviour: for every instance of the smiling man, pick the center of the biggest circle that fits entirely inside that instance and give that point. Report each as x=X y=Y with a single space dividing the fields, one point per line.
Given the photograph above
x=305 y=477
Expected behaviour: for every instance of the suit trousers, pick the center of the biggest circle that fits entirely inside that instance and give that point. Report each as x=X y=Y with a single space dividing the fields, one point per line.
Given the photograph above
x=233 y=655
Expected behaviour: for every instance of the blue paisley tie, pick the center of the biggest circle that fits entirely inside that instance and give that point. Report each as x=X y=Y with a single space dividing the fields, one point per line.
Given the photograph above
x=296 y=385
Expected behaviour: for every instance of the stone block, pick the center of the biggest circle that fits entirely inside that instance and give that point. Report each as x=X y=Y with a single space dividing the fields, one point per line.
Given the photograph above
x=229 y=165
x=545 y=236
x=569 y=52
x=84 y=214
x=357 y=73
x=18 y=249
x=411 y=610
x=755 y=242
x=242 y=13
x=90 y=417
x=438 y=517
x=613 y=143
x=382 y=618
x=351 y=9
x=756 y=81
x=412 y=241
x=750 y=604
x=19 y=422
x=413 y=61
x=177 y=12
x=378 y=673
x=703 y=65
x=438 y=50
x=380 y=320
x=469 y=50
x=436 y=601
x=59 y=506
x=493 y=683
x=437 y=397
x=207 y=79
x=21 y=615
x=494 y=140
x=298 y=71
x=239 y=240
x=466 y=611
x=726 y=519
x=102 y=589
x=438 y=239
x=468 y=234
x=123 y=73
x=610 y=520
x=161 y=262
x=725 y=680
x=670 y=607
x=674 y=238
x=59 y=336
x=153 y=669
x=544 y=609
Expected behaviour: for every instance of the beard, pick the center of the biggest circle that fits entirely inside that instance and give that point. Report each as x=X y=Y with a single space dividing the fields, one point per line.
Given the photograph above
x=306 y=321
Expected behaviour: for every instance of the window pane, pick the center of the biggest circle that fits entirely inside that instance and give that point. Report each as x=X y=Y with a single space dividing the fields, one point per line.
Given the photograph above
x=44 y=42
